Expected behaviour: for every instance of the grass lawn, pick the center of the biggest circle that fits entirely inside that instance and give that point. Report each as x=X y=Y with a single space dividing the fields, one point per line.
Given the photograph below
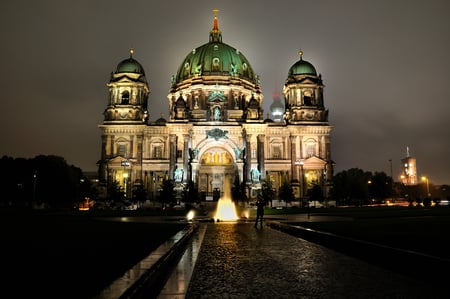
x=74 y=255
x=425 y=230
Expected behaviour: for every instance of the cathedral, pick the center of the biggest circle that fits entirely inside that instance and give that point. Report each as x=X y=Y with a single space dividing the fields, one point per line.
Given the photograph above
x=215 y=130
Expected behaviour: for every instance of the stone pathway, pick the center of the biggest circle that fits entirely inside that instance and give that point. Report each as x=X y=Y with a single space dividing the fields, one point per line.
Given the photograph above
x=236 y=260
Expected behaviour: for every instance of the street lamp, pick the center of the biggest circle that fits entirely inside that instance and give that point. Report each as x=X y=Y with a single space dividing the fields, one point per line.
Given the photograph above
x=302 y=162
x=125 y=182
x=126 y=163
x=34 y=187
x=392 y=182
x=425 y=179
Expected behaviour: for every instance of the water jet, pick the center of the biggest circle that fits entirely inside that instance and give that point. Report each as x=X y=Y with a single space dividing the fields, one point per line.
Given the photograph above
x=226 y=209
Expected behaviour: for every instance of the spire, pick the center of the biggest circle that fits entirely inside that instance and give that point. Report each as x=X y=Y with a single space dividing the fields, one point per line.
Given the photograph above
x=215 y=35
x=216 y=22
x=300 y=53
x=131 y=52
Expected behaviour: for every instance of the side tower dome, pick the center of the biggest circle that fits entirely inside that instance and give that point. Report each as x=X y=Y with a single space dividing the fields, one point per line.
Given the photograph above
x=303 y=93
x=215 y=82
x=302 y=67
x=130 y=65
x=128 y=93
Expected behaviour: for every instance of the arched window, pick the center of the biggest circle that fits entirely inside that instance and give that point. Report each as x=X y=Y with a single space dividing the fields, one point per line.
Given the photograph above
x=216 y=64
x=310 y=147
x=157 y=149
x=122 y=149
x=125 y=97
x=307 y=97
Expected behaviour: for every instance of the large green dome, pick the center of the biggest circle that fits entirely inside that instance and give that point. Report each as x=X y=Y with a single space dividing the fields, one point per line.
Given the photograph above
x=302 y=67
x=215 y=58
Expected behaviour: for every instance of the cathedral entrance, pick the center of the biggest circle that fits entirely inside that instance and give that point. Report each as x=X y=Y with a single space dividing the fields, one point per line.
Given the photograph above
x=216 y=166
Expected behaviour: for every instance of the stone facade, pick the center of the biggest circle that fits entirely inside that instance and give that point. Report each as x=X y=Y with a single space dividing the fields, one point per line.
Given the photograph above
x=215 y=129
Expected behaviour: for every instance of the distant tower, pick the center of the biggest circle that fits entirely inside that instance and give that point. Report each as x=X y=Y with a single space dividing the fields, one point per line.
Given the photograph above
x=409 y=173
x=277 y=108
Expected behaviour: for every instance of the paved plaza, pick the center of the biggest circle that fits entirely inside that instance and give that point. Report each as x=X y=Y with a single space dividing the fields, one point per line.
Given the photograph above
x=237 y=260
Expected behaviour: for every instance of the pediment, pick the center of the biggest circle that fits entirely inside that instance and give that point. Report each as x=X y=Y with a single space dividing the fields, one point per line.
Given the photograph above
x=315 y=163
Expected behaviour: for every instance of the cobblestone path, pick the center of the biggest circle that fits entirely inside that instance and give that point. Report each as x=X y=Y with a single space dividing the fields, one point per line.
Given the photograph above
x=237 y=260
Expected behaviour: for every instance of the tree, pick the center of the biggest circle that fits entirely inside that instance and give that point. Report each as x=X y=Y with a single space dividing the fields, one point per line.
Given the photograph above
x=57 y=183
x=87 y=190
x=286 y=192
x=238 y=191
x=43 y=179
x=191 y=193
x=167 y=195
x=380 y=186
x=139 y=193
x=267 y=191
x=116 y=194
x=350 y=187
x=315 y=193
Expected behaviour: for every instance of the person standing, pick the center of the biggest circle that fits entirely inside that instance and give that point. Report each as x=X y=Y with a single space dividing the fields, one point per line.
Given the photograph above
x=259 y=212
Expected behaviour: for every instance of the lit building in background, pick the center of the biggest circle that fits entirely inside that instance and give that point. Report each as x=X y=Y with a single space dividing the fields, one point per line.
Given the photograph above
x=409 y=173
x=215 y=129
x=277 y=108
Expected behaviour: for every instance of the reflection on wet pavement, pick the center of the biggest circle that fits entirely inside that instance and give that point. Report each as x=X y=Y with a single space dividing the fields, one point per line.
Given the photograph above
x=177 y=284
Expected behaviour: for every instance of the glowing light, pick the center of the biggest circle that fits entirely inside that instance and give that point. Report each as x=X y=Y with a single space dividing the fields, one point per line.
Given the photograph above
x=226 y=209
x=190 y=215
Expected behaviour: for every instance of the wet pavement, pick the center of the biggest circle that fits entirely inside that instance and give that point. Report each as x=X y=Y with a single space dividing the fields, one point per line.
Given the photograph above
x=147 y=271
x=237 y=260
x=178 y=282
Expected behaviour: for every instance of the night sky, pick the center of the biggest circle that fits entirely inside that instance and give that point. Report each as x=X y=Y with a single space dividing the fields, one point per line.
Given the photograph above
x=385 y=66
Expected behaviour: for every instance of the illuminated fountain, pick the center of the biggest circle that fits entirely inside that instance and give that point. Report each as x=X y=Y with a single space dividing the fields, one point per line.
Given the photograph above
x=226 y=209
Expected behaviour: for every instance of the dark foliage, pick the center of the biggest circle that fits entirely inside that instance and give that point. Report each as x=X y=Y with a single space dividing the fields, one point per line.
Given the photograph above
x=44 y=180
x=315 y=193
x=286 y=192
x=267 y=191
x=191 y=194
x=167 y=194
x=238 y=191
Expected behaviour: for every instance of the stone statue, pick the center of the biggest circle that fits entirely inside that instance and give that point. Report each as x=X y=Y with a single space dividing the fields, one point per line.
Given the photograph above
x=255 y=175
x=216 y=113
x=178 y=175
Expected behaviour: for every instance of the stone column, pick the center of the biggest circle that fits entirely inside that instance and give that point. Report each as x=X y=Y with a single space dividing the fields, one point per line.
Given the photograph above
x=294 y=167
x=139 y=154
x=260 y=151
x=172 y=154
x=111 y=146
x=248 y=158
x=186 y=158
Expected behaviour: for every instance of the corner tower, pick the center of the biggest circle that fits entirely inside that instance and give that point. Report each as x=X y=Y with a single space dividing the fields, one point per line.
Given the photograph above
x=307 y=119
x=128 y=93
x=125 y=117
x=303 y=93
